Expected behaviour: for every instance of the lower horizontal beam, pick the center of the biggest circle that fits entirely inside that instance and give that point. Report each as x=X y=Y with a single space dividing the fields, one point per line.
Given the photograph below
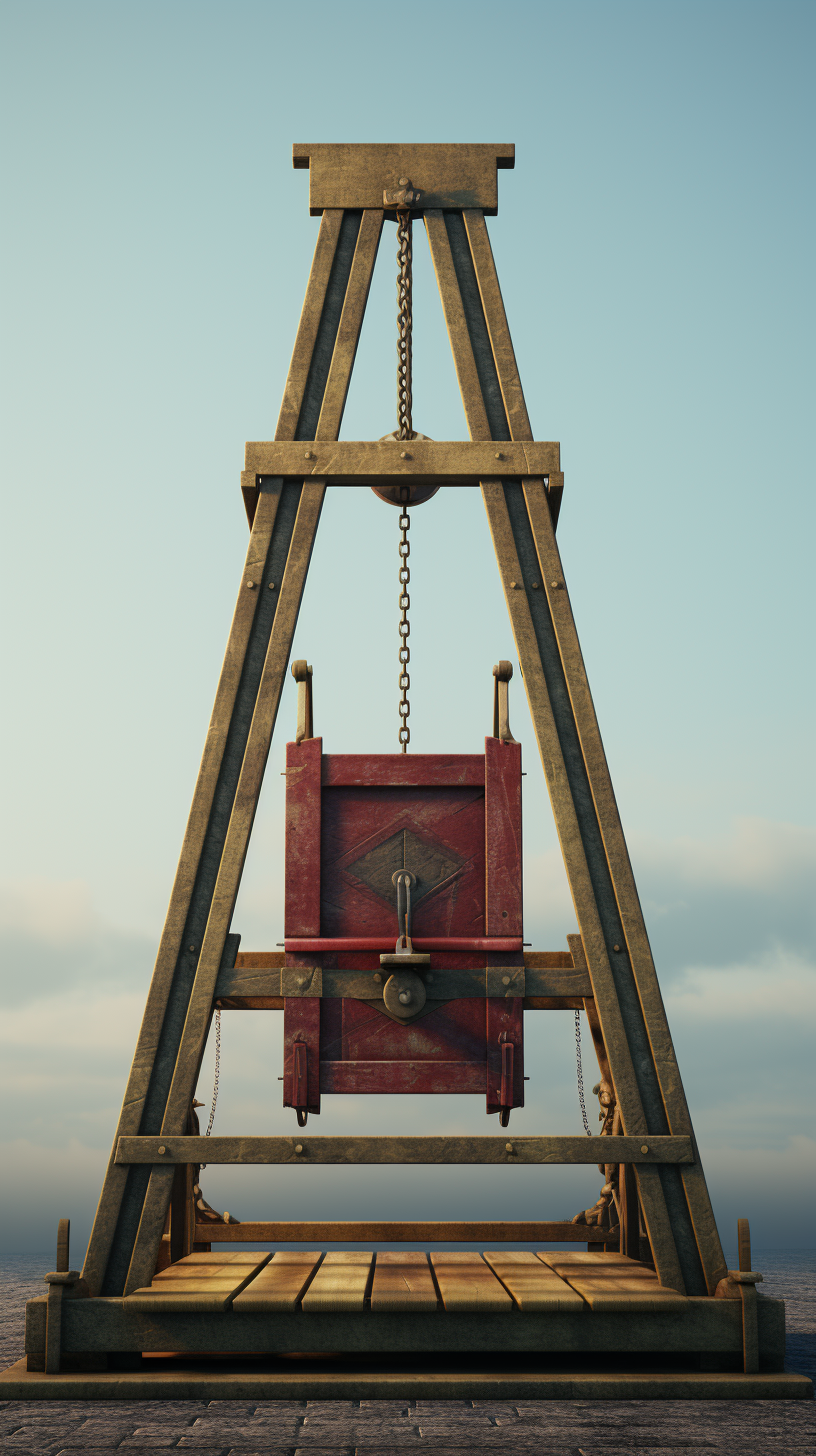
x=401 y=1233
x=339 y=1150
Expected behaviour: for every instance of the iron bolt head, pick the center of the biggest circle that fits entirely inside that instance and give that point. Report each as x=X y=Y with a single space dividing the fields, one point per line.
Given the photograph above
x=162 y=1148
x=499 y=455
x=405 y=997
x=307 y=454
x=298 y=1147
x=251 y=585
x=644 y=1147
x=404 y=182
x=505 y=980
x=512 y=586
x=191 y=949
x=535 y=586
x=271 y=585
x=556 y=584
x=378 y=977
x=616 y=947
x=508 y=1147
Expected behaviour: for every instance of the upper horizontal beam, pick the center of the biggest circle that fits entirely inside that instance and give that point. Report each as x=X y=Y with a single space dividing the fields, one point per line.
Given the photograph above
x=380 y=462
x=446 y=174
x=441 y=1150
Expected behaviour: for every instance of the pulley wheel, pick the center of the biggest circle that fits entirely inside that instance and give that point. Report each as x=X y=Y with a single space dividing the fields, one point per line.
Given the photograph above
x=404 y=493
x=404 y=994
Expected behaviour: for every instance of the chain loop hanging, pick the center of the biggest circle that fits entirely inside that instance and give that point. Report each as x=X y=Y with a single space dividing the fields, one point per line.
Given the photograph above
x=405 y=429
x=581 y=1101
x=217 y=1072
x=404 y=630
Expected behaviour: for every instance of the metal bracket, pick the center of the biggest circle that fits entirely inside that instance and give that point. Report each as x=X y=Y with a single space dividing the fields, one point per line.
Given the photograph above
x=502 y=673
x=302 y=673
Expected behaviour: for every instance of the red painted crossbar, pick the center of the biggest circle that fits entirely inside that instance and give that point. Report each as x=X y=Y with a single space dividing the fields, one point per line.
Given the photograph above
x=506 y=944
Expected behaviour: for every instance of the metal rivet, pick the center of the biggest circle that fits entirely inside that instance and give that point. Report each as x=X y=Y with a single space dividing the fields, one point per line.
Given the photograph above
x=616 y=947
x=301 y=980
x=162 y=1149
x=535 y=586
x=377 y=977
x=271 y=585
x=251 y=585
x=404 y=455
x=307 y=454
x=512 y=586
x=505 y=980
x=403 y=181
x=298 y=1147
x=499 y=455
x=191 y=948
x=644 y=1147
x=556 y=584
x=508 y=1147
x=405 y=998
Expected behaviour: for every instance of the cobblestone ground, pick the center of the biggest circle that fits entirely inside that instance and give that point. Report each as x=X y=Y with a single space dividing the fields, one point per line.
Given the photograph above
x=379 y=1428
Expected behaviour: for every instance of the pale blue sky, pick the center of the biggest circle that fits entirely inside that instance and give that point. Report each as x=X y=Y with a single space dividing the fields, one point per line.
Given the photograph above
x=655 y=246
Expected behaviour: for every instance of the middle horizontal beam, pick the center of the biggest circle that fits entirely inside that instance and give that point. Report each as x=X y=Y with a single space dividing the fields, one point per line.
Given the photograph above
x=426 y=462
x=340 y=1150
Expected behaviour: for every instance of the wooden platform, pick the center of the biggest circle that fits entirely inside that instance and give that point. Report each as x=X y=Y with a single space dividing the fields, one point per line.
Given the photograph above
x=507 y=1322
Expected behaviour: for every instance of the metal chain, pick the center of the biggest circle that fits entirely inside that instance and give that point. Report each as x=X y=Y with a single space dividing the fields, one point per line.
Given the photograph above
x=405 y=429
x=581 y=1073
x=404 y=630
x=217 y=1070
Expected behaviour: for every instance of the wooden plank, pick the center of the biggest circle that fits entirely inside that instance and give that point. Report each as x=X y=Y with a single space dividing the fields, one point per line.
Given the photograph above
x=442 y=984
x=340 y=1284
x=280 y=1284
x=403 y=1282
x=199 y=1282
x=498 y=330
x=351 y=322
x=422 y=462
x=535 y=1288
x=463 y=356
x=388 y=1232
x=302 y=858
x=612 y=1282
x=403 y=770
x=354 y=1078
x=468 y=1285
x=503 y=862
x=308 y=327
x=503 y=1150
x=446 y=174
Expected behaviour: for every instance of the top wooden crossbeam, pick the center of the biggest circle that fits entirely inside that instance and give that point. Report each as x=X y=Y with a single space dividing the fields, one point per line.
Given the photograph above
x=382 y=462
x=447 y=175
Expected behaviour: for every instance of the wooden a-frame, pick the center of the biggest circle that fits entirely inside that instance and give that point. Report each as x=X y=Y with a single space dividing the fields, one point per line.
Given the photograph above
x=458 y=186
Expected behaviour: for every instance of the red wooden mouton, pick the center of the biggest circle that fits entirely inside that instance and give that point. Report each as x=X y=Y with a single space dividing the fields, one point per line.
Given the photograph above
x=353 y=823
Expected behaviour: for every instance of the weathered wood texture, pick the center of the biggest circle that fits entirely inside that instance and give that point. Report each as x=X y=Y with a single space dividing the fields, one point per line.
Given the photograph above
x=279 y=1285
x=534 y=1287
x=340 y=1284
x=198 y=1283
x=378 y=462
x=403 y=1282
x=446 y=174
x=612 y=1282
x=326 y=1150
x=388 y=1232
x=467 y=1284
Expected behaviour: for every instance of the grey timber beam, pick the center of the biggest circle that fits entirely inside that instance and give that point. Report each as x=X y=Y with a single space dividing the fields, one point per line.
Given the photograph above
x=163 y=1152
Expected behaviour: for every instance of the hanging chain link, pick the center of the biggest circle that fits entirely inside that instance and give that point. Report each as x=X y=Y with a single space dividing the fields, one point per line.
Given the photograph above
x=217 y=1068
x=404 y=630
x=405 y=429
x=581 y=1073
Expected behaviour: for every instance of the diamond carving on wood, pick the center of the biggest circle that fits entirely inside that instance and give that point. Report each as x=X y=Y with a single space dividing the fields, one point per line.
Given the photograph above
x=405 y=851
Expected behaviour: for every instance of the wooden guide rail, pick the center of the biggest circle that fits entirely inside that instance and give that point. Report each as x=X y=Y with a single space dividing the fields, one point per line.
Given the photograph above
x=393 y=1233
x=339 y=1150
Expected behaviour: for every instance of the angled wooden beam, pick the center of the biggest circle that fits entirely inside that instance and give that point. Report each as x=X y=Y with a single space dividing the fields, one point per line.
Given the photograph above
x=349 y=310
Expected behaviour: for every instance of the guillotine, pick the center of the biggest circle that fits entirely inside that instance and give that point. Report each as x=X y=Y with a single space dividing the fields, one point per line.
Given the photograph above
x=403 y=966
